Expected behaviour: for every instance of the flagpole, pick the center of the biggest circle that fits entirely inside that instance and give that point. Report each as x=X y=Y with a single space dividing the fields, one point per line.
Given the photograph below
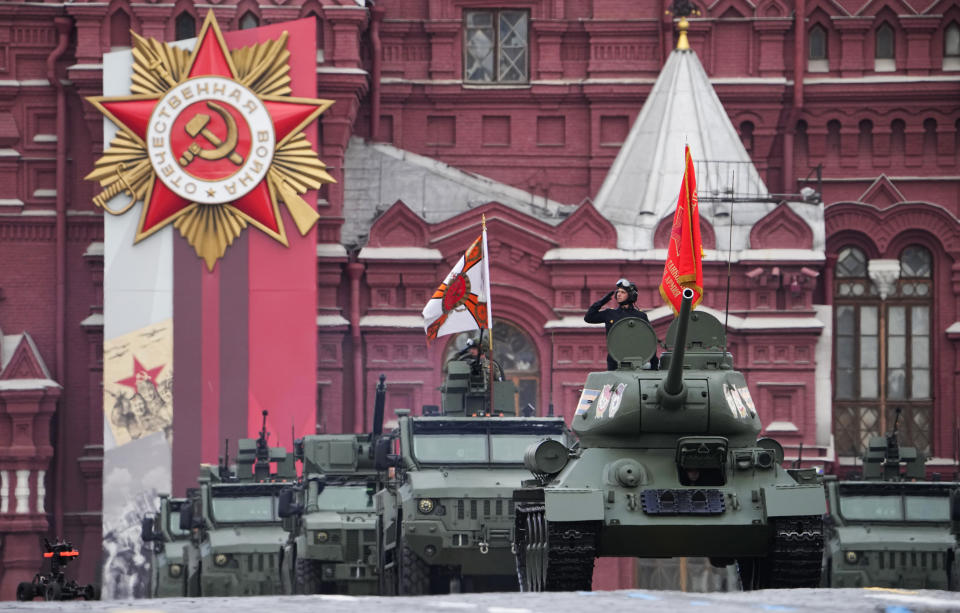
x=486 y=269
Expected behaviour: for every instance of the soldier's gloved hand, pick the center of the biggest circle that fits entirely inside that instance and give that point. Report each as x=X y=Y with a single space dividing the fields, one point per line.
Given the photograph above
x=609 y=295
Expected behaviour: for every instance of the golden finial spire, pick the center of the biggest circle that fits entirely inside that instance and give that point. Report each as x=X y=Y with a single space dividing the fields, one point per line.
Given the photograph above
x=682 y=43
x=681 y=9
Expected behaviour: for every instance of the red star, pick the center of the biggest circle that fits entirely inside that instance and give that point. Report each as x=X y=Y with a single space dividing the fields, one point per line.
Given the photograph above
x=211 y=57
x=140 y=373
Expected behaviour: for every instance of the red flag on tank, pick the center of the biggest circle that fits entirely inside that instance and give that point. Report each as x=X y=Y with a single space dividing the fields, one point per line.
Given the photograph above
x=462 y=302
x=684 y=265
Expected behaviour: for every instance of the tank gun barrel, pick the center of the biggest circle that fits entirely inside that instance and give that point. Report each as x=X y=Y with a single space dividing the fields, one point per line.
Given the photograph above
x=673 y=382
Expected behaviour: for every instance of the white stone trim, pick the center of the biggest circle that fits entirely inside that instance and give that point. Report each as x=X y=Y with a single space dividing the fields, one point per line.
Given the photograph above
x=41 y=491
x=392 y=321
x=22 y=491
x=400 y=253
x=4 y=492
x=325 y=321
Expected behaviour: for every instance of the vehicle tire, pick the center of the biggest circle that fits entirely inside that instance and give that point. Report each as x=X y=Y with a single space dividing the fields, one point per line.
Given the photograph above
x=25 y=591
x=52 y=592
x=414 y=573
x=90 y=592
x=288 y=557
x=308 y=578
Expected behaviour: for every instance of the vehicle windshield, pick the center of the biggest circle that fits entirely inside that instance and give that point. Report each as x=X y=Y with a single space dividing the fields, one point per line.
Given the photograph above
x=173 y=525
x=245 y=509
x=895 y=508
x=344 y=498
x=472 y=448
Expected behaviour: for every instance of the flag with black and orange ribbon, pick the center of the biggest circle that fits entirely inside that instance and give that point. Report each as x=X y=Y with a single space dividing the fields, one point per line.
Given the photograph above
x=462 y=302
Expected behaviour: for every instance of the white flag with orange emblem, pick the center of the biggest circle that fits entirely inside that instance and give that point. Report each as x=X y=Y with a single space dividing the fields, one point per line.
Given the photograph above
x=462 y=302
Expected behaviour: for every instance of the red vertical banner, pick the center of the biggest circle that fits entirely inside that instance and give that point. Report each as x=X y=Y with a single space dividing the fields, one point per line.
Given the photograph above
x=281 y=282
x=684 y=265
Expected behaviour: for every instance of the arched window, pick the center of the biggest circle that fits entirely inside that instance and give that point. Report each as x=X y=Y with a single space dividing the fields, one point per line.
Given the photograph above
x=817 y=50
x=249 y=21
x=517 y=355
x=818 y=43
x=884 y=49
x=951 y=47
x=119 y=29
x=896 y=328
x=951 y=40
x=185 y=26
x=746 y=136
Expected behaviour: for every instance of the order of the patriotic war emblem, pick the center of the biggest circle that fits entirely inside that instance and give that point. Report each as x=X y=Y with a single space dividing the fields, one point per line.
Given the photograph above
x=211 y=141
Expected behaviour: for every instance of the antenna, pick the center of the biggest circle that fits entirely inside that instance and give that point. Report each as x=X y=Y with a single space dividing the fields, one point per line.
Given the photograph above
x=726 y=306
x=796 y=463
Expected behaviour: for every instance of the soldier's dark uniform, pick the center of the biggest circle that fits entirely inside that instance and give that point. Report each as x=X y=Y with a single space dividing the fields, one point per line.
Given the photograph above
x=608 y=317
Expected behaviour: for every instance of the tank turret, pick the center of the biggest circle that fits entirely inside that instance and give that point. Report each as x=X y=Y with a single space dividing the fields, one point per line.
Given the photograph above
x=668 y=465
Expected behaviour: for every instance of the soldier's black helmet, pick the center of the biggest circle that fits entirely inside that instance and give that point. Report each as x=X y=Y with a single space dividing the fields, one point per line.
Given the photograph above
x=632 y=292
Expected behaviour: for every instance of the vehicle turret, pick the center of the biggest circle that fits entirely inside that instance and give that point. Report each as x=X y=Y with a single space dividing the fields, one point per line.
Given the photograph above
x=466 y=386
x=885 y=459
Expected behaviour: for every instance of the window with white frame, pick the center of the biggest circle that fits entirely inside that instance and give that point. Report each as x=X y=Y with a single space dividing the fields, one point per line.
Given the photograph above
x=496 y=46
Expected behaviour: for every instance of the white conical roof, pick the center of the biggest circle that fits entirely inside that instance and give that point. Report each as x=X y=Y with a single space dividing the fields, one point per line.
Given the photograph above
x=644 y=181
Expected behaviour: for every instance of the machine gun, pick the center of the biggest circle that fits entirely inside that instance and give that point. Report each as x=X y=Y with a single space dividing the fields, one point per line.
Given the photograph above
x=885 y=457
x=53 y=585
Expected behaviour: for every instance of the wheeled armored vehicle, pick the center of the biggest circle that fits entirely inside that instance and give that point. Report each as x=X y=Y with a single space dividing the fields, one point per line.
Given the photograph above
x=668 y=464
x=893 y=528
x=162 y=530
x=330 y=514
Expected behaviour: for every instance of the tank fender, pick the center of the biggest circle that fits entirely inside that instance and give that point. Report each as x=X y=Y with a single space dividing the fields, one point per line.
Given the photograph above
x=792 y=500
x=574 y=505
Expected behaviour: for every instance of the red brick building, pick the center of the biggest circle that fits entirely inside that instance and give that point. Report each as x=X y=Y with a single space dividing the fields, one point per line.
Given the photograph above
x=518 y=109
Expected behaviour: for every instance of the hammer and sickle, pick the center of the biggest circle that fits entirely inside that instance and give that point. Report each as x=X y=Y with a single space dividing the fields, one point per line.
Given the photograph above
x=222 y=148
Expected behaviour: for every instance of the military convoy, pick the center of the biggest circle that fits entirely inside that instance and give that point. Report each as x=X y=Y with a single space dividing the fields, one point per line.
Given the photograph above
x=668 y=465
x=893 y=528
x=665 y=463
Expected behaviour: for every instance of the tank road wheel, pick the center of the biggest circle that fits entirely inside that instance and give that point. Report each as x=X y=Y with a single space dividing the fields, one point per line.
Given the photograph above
x=308 y=577
x=414 y=573
x=25 y=591
x=749 y=569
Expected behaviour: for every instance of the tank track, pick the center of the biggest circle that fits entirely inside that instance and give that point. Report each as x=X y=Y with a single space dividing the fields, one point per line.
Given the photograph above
x=796 y=554
x=553 y=556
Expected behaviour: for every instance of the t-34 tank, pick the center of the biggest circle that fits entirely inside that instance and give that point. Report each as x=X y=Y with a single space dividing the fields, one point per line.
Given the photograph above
x=668 y=465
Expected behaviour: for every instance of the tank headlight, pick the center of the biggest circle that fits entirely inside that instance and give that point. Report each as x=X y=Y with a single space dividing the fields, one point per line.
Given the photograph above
x=175 y=570
x=220 y=559
x=425 y=506
x=321 y=537
x=851 y=557
x=430 y=551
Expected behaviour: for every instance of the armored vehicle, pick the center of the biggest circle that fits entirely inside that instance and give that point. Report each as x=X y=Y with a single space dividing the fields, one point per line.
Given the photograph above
x=330 y=515
x=445 y=513
x=894 y=528
x=236 y=531
x=668 y=465
x=168 y=576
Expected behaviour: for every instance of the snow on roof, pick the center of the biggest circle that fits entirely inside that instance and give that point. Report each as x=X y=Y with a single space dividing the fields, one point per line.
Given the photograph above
x=734 y=322
x=326 y=321
x=27 y=384
x=331 y=250
x=660 y=255
x=391 y=321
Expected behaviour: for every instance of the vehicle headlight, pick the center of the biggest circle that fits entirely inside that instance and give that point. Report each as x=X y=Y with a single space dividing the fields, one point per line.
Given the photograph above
x=220 y=559
x=321 y=537
x=851 y=557
x=425 y=506
x=175 y=570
